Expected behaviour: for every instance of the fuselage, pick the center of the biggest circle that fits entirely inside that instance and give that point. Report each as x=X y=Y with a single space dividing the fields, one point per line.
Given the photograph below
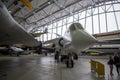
x=80 y=39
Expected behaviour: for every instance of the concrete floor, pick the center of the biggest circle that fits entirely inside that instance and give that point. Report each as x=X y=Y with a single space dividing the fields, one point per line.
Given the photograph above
x=34 y=67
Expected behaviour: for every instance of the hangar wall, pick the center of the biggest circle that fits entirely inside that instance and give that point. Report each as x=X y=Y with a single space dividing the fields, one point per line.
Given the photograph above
x=96 y=19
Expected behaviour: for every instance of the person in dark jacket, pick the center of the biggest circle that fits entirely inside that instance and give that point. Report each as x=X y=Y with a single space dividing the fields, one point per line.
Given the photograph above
x=110 y=63
x=117 y=62
x=57 y=54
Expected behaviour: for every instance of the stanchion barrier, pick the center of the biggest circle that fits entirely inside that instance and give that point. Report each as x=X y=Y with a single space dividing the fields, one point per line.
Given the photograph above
x=100 y=69
x=93 y=65
x=97 y=67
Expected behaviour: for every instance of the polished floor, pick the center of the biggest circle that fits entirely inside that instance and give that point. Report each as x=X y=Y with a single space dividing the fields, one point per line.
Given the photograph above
x=35 y=67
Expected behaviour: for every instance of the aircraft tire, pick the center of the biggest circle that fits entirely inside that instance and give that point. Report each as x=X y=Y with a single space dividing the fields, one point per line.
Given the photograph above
x=18 y=54
x=67 y=64
x=72 y=64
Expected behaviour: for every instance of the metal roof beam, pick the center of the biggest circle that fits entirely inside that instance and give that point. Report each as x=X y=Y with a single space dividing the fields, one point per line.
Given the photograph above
x=60 y=10
x=64 y=15
x=41 y=7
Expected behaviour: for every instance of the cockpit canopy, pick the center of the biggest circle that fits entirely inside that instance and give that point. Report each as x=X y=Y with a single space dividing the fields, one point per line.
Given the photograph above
x=75 y=26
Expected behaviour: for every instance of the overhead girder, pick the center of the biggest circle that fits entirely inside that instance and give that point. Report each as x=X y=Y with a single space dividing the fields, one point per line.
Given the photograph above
x=58 y=10
x=53 y=14
x=63 y=15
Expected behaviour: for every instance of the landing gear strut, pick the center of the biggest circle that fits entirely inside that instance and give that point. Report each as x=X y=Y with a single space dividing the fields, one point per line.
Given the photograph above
x=69 y=64
x=68 y=60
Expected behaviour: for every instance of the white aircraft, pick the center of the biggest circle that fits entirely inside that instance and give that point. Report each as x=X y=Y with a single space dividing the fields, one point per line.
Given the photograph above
x=11 y=50
x=76 y=39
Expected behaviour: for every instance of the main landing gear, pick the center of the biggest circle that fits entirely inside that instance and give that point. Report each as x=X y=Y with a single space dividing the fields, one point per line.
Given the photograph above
x=69 y=63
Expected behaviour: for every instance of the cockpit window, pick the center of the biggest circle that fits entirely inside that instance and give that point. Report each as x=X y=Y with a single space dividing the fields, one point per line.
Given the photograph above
x=75 y=26
x=79 y=26
x=72 y=27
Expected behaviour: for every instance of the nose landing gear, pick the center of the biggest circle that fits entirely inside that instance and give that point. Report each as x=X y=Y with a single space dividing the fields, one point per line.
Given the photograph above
x=69 y=63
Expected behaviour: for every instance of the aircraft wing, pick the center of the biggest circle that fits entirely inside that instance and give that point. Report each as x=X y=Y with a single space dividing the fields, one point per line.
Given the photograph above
x=52 y=41
x=61 y=43
x=16 y=49
x=11 y=32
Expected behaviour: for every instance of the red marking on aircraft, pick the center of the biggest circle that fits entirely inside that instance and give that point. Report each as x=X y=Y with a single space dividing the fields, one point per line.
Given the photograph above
x=103 y=35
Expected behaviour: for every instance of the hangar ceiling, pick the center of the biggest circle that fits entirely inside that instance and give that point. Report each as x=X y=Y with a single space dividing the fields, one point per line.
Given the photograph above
x=46 y=11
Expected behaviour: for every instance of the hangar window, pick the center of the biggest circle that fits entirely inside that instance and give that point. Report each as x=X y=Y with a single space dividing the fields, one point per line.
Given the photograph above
x=118 y=19
x=59 y=23
x=111 y=23
x=89 y=25
x=102 y=23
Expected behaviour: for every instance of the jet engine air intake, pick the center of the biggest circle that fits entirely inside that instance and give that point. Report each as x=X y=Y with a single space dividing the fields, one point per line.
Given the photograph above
x=60 y=42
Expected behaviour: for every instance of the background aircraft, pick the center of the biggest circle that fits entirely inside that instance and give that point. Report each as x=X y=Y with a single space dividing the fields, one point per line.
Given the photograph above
x=40 y=33
x=11 y=50
x=92 y=52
